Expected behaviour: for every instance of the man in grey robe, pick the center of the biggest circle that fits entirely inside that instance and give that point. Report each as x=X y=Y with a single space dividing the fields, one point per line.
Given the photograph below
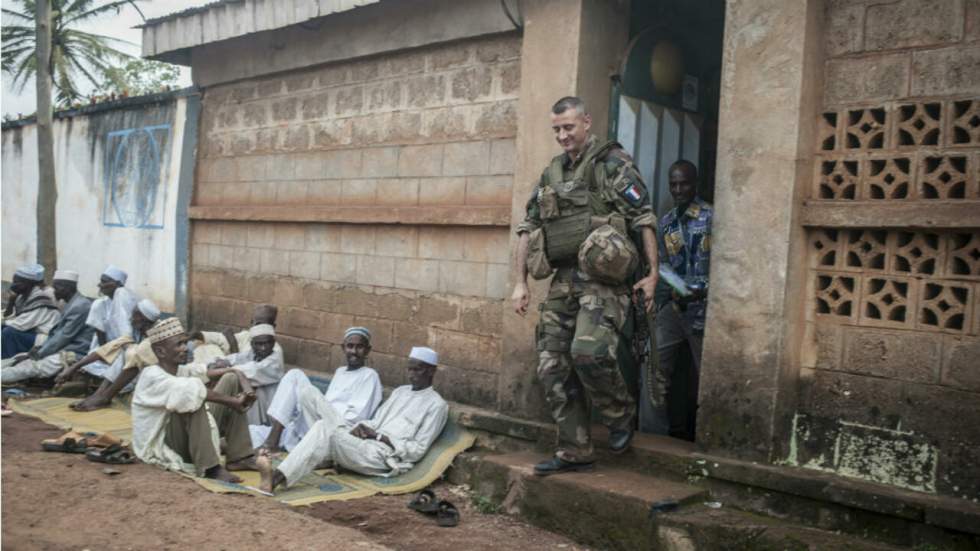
x=68 y=340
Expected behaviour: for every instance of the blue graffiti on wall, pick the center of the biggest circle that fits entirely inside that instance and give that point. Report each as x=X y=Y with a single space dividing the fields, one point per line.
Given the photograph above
x=135 y=167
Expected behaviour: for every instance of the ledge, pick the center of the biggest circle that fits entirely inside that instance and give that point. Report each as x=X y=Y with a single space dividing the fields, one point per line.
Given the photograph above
x=913 y=214
x=416 y=216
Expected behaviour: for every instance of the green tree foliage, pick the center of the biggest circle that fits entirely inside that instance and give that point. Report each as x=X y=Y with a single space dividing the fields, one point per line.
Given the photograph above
x=75 y=55
x=138 y=77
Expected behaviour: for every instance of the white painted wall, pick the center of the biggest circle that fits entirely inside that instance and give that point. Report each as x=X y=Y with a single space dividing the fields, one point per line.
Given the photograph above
x=85 y=243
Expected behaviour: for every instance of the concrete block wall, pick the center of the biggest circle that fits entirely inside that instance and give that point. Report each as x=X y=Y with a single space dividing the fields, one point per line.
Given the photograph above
x=430 y=127
x=890 y=385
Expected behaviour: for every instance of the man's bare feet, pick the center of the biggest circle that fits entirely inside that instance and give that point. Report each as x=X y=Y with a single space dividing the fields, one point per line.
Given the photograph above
x=264 y=464
x=220 y=473
x=92 y=403
x=245 y=464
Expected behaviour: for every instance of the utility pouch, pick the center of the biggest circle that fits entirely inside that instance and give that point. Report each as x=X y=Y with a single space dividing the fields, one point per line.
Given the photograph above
x=564 y=236
x=548 y=203
x=537 y=258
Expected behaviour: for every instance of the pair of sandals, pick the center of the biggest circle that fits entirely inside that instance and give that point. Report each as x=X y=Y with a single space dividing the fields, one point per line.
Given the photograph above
x=100 y=448
x=447 y=515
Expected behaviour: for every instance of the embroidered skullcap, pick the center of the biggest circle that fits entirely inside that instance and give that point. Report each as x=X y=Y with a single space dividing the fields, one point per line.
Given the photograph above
x=164 y=329
x=66 y=275
x=362 y=331
x=260 y=330
x=33 y=272
x=148 y=309
x=425 y=355
x=116 y=274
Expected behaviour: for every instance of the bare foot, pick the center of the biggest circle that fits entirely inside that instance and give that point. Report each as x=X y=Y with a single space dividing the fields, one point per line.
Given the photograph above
x=92 y=403
x=220 y=473
x=264 y=464
x=246 y=464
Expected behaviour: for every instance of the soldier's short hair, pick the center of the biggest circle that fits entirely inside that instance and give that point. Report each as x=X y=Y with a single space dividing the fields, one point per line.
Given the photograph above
x=569 y=102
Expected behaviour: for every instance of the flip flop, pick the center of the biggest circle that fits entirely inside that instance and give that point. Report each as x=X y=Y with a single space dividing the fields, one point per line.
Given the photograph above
x=424 y=502
x=113 y=455
x=447 y=515
x=70 y=442
x=103 y=440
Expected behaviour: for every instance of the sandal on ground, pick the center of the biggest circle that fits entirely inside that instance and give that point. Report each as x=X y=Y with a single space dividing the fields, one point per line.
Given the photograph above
x=70 y=442
x=424 y=502
x=447 y=516
x=103 y=440
x=113 y=455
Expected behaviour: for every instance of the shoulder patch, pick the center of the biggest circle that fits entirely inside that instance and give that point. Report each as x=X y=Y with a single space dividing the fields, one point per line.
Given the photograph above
x=634 y=194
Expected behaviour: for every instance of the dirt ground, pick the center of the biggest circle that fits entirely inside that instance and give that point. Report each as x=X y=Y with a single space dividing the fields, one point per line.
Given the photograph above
x=55 y=501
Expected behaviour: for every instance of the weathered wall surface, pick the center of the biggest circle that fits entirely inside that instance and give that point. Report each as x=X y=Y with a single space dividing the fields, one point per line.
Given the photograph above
x=423 y=138
x=118 y=171
x=891 y=360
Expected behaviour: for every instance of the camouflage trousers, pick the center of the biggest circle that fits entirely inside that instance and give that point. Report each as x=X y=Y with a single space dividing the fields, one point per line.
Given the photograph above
x=577 y=338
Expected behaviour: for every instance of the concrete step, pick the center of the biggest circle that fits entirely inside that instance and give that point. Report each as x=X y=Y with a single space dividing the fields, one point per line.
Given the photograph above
x=620 y=509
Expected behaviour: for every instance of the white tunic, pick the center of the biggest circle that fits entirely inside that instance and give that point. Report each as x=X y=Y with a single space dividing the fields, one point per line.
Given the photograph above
x=264 y=375
x=112 y=316
x=412 y=420
x=352 y=396
x=157 y=394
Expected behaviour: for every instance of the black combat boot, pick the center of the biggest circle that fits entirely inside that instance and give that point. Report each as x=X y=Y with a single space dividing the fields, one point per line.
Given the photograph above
x=557 y=465
x=620 y=440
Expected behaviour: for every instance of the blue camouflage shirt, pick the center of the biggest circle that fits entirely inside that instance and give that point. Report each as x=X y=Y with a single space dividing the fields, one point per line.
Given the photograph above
x=685 y=245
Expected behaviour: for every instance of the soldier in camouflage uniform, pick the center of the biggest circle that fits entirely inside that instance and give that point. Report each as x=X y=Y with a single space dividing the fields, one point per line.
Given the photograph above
x=581 y=317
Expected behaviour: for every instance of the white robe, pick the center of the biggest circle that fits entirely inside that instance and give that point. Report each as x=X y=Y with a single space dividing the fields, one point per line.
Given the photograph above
x=412 y=420
x=112 y=316
x=352 y=395
x=157 y=394
x=264 y=375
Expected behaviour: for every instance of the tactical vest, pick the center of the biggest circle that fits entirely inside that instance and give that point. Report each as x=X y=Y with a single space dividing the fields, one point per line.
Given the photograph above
x=568 y=207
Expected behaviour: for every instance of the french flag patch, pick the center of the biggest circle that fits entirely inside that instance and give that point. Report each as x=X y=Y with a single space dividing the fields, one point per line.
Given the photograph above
x=633 y=194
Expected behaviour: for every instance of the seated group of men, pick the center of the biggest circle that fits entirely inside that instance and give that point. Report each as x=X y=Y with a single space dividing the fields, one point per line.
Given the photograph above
x=192 y=390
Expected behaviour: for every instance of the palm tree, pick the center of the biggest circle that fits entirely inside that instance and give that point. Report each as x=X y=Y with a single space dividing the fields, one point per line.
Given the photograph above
x=75 y=55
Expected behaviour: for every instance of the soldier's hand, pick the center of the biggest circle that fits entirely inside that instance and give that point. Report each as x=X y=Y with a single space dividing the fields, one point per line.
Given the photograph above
x=521 y=298
x=646 y=285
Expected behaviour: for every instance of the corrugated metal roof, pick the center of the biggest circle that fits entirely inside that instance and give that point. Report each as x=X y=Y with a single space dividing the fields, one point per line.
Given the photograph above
x=169 y=37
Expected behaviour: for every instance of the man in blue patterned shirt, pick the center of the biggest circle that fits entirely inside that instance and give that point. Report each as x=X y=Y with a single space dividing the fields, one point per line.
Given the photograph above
x=684 y=239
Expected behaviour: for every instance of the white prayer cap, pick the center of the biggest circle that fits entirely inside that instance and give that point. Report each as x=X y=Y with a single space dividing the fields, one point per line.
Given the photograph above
x=66 y=275
x=33 y=272
x=116 y=273
x=148 y=309
x=425 y=355
x=362 y=331
x=164 y=329
x=260 y=330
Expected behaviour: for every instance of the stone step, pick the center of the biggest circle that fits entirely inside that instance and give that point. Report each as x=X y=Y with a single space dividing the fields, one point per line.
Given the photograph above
x=619 y=509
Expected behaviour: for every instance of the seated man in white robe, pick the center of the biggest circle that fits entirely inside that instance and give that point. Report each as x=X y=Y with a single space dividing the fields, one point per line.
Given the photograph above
x=117 y=354
x=353 y=395
x=69 y=339
x=31 y=312
x=110 y=314
x=228 y=347
x=178 y=421
x=208 y=346
x=398 y=436
x=261 y=364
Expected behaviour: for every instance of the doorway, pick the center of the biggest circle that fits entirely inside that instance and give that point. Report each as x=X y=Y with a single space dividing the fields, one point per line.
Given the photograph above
x=664 y=107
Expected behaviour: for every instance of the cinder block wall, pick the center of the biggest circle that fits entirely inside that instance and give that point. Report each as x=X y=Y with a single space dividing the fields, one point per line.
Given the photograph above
x=432 y=127
x=891 y=380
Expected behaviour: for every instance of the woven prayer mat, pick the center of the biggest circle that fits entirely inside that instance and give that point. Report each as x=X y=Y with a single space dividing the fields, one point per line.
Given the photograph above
x=324 y=485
